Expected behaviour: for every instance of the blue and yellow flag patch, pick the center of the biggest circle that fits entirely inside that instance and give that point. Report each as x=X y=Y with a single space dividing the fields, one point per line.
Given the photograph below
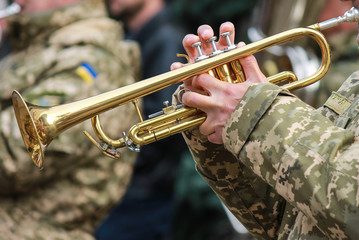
x=87 y=72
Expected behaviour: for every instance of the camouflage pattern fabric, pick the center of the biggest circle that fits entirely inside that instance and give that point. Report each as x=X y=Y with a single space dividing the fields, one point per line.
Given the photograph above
x=345 y=59
x=287 y=170
x=61 y=56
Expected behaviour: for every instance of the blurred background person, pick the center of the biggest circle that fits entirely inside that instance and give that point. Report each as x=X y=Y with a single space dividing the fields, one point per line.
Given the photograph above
x=146 y=211
x=62 y=51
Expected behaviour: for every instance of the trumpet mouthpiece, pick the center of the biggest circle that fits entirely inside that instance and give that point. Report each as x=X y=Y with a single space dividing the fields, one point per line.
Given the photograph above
x=351 y=15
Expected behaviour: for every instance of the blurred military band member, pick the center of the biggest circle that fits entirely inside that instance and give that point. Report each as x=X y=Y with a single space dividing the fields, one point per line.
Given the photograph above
x=62 y=51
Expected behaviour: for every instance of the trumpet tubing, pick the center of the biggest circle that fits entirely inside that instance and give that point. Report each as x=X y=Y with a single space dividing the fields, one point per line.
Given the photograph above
x=39 y=125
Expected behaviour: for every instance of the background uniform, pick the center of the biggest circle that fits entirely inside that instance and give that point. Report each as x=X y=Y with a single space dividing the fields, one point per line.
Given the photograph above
x=58 y=57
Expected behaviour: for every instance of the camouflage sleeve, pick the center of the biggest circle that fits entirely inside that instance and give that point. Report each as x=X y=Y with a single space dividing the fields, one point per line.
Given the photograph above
x=336 y=105
x=300 y=154
x=238 y=188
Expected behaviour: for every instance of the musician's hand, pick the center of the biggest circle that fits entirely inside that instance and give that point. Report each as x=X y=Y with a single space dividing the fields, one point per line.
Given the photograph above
x=216 y=98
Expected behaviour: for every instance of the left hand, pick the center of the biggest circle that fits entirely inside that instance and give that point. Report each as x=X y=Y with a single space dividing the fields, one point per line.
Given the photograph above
x=216 y=98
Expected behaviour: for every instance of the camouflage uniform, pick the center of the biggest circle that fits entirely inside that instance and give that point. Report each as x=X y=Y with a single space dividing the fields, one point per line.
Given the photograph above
x=286 y=170
x=345 y=59
x=61 y=56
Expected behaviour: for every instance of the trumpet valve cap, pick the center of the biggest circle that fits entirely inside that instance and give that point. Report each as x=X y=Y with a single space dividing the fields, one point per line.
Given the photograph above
x=215 y=50
x=230 y=44
x=200 y=57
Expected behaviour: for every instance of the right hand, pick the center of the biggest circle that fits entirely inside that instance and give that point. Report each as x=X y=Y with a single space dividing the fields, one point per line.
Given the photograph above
x=216 y=98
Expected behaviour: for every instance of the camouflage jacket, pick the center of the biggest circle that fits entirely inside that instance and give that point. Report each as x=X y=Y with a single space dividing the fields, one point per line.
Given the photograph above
x=60 y=56
x=286 y=170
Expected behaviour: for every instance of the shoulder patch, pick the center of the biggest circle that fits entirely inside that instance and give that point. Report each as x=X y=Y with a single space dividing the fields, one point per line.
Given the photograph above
x=338 y=103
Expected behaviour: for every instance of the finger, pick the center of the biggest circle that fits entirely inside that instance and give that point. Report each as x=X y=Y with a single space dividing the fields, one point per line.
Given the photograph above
x=241 y=44
x=226 y=27
x=187 y=42
x=251 y=68
x=205 y=32
x=197 y=100
x=176 y=65
x=215 y=137
x=203 y=84
x=191 y=85
x=206 y=128
x=213 y=132
x=208 y=83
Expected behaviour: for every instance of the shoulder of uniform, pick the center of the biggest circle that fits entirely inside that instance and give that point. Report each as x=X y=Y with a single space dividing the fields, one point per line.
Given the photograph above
x=92 y=29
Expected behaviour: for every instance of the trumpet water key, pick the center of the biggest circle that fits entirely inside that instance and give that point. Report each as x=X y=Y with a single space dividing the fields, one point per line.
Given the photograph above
x=39 y=125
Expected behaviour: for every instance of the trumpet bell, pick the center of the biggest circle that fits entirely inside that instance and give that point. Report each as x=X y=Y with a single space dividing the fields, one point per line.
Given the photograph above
x=29 y=131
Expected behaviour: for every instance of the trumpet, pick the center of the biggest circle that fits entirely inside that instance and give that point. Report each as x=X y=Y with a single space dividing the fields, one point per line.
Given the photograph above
x=40 y=125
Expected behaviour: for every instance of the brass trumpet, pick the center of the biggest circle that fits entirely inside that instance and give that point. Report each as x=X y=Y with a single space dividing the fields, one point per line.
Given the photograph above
x=39 y=125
